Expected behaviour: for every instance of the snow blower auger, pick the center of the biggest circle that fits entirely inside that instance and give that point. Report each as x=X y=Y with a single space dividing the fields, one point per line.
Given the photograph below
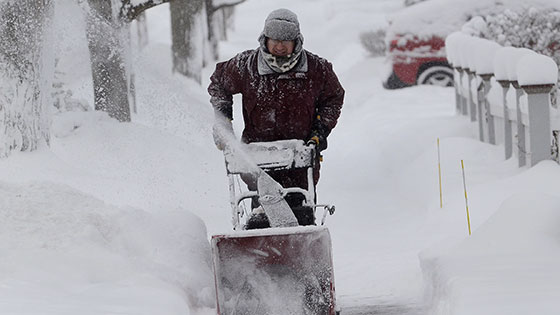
x=284 y=269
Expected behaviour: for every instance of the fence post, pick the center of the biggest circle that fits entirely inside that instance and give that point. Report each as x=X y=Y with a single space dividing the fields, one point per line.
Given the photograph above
x=521 y=143
x=456 y=84
x=465 y=96
x=508 y=137
x=489 y=117
x=472 y=106
x=539 y=121
x=461 y=91
x=479 y=107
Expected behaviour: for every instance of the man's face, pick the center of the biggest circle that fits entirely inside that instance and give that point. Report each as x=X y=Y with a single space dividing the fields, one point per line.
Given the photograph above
x=280 y=48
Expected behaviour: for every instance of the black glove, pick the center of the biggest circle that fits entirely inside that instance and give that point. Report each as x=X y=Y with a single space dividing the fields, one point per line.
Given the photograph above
x=319 y=134
x=319 y=142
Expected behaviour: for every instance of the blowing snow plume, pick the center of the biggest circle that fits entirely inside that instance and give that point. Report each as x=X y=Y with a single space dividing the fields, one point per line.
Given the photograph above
x=270 y=193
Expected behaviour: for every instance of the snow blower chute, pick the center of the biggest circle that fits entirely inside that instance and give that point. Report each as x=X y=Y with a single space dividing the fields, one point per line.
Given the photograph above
x=283 y=269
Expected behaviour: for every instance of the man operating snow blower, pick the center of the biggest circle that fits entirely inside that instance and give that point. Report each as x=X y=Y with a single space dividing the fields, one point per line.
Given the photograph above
x=291 y=102
x=287 y=93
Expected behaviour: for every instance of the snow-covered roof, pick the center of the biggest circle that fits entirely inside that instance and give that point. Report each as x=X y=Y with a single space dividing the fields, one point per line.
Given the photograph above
x=442 y=17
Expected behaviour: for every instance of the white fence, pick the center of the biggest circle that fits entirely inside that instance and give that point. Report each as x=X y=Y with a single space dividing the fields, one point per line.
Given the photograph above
x=508 y=92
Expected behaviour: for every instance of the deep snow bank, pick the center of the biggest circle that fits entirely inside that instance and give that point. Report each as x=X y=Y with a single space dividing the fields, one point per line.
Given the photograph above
x=510 y=263
x=68 y=252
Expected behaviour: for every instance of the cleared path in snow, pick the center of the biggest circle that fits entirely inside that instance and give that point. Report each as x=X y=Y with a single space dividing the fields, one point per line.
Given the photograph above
x=378 y=228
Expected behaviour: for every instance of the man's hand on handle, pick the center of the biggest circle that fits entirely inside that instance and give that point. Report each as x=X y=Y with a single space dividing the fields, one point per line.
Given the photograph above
x=318 y=135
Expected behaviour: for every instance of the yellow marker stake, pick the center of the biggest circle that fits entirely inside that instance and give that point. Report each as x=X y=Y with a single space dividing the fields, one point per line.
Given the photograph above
x=466 y=200
x=439 y=173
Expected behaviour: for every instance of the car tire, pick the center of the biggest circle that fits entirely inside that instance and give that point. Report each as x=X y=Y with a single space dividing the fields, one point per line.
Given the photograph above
x=393 y=82
x=436 y=75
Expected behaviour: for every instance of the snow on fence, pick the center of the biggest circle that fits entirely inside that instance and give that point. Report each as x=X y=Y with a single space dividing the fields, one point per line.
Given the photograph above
x=523 y=119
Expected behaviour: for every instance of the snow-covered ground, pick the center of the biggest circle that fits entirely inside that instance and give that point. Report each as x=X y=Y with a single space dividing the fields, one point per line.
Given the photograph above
x=114 y=218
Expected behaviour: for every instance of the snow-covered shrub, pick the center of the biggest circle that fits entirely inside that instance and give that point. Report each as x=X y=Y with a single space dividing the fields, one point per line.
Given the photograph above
x=475 y=27
x=534 y=29
x=374 y=42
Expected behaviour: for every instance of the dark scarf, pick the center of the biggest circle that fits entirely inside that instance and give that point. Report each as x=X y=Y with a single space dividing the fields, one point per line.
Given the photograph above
x=279 y=64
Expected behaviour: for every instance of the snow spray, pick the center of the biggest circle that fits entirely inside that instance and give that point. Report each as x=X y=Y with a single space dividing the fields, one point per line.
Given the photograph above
x=271 y=199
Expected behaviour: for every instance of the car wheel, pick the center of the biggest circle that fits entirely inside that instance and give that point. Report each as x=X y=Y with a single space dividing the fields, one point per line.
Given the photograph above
x=437 y=75
x=393 y=82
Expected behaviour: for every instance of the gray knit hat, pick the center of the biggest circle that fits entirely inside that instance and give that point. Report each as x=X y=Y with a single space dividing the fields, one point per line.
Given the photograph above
x=281 y=24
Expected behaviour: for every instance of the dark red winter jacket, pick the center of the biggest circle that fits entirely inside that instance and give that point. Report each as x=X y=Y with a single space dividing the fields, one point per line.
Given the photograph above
x=278 y=106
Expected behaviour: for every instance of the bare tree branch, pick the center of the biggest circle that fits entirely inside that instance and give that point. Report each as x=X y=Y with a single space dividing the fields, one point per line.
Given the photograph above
x=129 y=11
x=213 y=9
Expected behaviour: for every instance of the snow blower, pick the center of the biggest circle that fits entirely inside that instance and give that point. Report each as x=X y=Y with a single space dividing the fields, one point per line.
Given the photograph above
x=282 y=269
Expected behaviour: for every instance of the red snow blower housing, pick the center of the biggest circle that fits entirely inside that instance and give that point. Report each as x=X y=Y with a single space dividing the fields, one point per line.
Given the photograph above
x=284 y=269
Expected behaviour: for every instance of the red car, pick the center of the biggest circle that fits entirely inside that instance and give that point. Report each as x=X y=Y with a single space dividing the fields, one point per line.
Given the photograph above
x=416 y=34
x=418 y=61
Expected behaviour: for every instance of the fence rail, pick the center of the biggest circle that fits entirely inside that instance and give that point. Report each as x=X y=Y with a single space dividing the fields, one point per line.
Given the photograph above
x=521 y=117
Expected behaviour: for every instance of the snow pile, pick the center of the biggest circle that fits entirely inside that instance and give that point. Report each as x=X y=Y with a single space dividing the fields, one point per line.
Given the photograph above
x=471 y=52
x=108 y=219
x=474 y=26
x=509 y=264
x=99 y=251
x=451 y=43
x=462 y=59
x=458 y=45
x=502 y=62
x=506 y=266
x=536 y=69
x=505 y=62
x=483 y=55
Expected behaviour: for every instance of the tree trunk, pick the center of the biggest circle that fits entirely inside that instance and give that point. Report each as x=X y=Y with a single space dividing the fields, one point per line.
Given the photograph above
x=228 y=16
x=26 y=70
x=105 y=40
x=188 y=28
x=219 y=19
x=213 y=21
x=223 y=20
x=142 y=30
x=126 y=36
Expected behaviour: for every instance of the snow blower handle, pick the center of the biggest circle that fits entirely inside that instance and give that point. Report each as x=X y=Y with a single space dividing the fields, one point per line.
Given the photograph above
x=327 y=209
x=313 y=142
